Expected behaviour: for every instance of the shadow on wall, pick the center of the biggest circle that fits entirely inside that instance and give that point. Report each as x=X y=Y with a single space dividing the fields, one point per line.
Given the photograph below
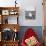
x=37 y=29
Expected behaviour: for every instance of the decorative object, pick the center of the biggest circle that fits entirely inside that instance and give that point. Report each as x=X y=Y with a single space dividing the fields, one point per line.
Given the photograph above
x=13 y=12
x=15 y=34
x=15 y=37
x=7 y=34
x=5 y=12
x=15 y=30
x=6 y=21
x=30 y=14
x=15 y=3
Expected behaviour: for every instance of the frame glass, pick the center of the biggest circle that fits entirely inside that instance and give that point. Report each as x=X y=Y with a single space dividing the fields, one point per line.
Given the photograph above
x=30 y=14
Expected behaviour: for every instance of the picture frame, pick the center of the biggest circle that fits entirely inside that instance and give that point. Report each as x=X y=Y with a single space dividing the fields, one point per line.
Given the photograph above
x=30 y=14
x=5 y=12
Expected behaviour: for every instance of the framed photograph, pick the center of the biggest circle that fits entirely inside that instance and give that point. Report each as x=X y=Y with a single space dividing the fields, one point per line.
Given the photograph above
x=5 y=12
x=30 y=14
x=11 y=13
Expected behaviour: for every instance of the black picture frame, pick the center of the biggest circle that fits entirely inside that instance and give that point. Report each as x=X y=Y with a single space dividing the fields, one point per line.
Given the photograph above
x=30 y=12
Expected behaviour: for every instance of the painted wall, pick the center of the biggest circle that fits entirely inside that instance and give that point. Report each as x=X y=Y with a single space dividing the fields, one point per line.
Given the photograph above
x=27 y=5
x=37 y=30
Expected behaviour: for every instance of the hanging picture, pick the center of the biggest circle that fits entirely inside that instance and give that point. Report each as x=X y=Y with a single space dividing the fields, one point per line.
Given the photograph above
x=30 y=14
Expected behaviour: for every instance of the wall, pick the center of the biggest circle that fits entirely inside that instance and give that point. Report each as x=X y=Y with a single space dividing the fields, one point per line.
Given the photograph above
x=27 y=5
x=37 y=30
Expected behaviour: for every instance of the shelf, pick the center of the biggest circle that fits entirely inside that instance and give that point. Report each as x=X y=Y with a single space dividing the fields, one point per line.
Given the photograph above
x=5 y=8
x=10 y=26
x=11 y=15
x=6 y=12
x=11 y=41
x=10 y=19
x=7 y=23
